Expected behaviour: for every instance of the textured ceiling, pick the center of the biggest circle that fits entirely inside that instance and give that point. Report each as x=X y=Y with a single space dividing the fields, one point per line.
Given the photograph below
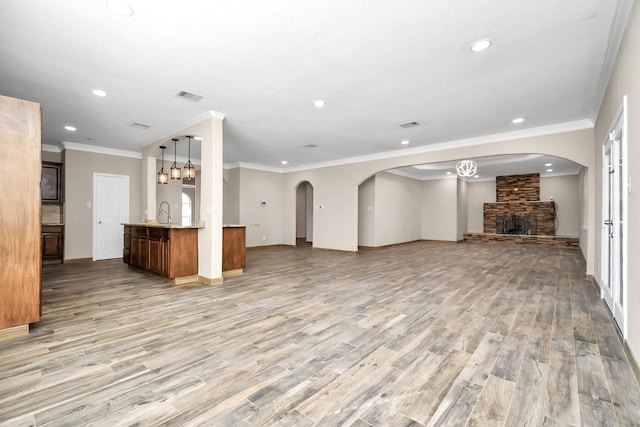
x=377 y=64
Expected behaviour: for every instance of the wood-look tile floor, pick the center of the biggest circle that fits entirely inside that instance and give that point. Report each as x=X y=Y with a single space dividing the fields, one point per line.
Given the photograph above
x=417 y=334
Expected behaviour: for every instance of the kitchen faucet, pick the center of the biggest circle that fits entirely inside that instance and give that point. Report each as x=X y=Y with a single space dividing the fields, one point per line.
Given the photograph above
x=168 y=211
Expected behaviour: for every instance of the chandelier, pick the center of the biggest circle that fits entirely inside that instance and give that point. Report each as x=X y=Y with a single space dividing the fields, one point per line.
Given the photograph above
x=175 y=169
x=189 y=170
x=162 y=175
x=466 y=168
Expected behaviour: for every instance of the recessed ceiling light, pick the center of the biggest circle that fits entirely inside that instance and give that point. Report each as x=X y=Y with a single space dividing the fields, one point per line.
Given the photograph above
x=119 y=7
x=480 y=45
x=404 y=142
x=549 y=170
x=70 y=128
x=517 y=121
x=284 y=162
x=197 y=138
x=449 y=173
x=548 y=164
x=319 y=103
x=476 y=176
x=99 y=92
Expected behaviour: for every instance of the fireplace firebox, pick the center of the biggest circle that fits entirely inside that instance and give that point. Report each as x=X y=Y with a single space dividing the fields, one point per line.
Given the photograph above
x=516 y=224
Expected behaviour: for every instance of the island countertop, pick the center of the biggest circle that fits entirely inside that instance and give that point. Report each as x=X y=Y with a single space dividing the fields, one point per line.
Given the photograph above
x=159 y=225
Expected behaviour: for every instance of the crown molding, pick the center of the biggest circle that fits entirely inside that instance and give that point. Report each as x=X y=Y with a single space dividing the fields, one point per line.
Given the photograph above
x=618 y=27
x=467 y=142
x=74 y=146
x=51 y=148
x=211 y=114
x=254 y=166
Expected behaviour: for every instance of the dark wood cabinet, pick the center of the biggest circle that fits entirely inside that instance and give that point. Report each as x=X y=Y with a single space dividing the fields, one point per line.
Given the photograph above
x=167 y=251
x=159 y=243
x=52 y=244
x=234 y=258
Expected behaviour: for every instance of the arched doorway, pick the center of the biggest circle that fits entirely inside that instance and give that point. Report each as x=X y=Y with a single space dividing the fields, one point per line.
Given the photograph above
x=304 y=214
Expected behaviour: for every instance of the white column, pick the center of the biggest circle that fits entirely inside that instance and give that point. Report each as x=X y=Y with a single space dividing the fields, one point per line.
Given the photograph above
x=211 y=183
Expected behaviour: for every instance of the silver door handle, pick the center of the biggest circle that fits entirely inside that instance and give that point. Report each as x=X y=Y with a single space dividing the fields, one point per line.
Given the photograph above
x=99 y=222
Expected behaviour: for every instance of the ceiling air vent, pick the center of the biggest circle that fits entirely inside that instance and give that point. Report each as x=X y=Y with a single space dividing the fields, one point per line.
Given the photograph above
x=188 y=95
x=310 y=146
x=140 y=126
x=409 y=125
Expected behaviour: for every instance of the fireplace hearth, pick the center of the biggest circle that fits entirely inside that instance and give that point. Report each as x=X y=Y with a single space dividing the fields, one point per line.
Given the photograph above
x=525 y=225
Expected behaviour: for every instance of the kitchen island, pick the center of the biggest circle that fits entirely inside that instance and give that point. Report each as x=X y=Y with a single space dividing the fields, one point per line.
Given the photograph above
x=172 y=250
x=165 y=249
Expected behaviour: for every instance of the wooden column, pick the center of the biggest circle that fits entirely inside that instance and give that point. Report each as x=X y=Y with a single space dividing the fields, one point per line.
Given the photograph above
x=20 y=164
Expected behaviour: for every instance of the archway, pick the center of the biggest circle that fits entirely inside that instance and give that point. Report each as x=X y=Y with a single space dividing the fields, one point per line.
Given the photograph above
x=304 y=214
x=427 y=202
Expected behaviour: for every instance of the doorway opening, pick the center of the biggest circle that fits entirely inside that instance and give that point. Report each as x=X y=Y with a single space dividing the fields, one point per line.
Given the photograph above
x=304 y=214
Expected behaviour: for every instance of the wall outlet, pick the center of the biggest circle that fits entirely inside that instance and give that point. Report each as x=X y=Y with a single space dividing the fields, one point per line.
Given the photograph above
x=264 y=238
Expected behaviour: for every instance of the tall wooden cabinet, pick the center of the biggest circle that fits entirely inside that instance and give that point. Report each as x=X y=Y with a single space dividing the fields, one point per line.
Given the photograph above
x=20 y=169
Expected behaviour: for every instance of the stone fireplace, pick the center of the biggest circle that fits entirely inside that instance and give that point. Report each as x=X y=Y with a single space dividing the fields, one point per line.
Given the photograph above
x=518 y=209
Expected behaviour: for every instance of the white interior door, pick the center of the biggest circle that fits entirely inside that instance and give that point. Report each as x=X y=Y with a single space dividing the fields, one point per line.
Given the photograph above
x=110 y=211
x=614 y=223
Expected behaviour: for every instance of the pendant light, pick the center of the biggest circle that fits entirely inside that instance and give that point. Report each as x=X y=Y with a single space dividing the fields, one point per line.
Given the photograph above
x=466 y=168
x=163 y=178
x=175 y=169
x=189 y=170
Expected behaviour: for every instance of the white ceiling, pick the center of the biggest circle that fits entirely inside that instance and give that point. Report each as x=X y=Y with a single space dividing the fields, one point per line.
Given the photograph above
x=492 y=166
x=377 y=64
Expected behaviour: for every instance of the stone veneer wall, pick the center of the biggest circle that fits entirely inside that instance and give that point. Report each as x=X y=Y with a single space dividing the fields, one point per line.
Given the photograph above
x=518 y=188
x=555 y=241
x=545 y=213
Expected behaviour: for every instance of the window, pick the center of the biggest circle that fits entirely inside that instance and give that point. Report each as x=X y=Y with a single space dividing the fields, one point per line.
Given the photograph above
x=186 y=209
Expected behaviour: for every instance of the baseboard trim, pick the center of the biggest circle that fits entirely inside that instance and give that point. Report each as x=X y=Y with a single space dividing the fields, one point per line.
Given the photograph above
x=253 y=248
x=185 y=279
x=371 y=248
x=337 y=251
x=77 y=260
x=233 y=273
x=14 y=332
x=209 y=281
x=635 y=367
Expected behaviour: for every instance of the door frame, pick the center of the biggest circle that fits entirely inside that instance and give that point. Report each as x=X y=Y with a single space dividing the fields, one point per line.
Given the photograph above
x=615 y=264
x=125 y=200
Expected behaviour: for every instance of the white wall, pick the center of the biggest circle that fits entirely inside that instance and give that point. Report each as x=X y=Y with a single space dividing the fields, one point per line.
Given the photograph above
x=397 y=209
x=171 y=192
x=439 y=209
x=565 y=191
x=367 y=213
x=625 y=80
x=231 y=196
x=336 y=187
x=479 y=193
x=78 y=184
x=583 y=189
x=257 y=186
